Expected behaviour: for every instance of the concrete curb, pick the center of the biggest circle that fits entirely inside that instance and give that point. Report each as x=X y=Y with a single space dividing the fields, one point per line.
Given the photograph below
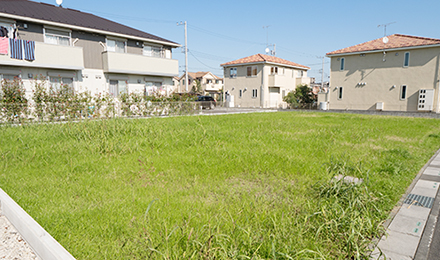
x=44 y=245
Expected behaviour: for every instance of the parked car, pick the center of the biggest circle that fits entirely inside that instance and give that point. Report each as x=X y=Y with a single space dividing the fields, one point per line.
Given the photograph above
x=207 y=102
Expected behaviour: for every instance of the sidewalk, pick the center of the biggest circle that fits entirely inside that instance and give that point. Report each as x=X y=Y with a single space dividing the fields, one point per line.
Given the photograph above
x=410 y=231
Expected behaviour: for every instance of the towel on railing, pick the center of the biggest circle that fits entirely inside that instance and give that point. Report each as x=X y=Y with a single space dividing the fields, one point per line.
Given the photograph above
x=29 y=50
x=16 y=48
x=4 y=44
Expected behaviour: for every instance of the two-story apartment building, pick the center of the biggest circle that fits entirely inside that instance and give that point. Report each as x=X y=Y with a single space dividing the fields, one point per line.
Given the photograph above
x=394 y=73
x=81 y=50
x=261 y=80
x=210 y=83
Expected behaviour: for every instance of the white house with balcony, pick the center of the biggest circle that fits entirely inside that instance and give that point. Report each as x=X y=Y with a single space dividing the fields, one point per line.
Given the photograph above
x=211 y=84
x=261 y=81
x=83 y=51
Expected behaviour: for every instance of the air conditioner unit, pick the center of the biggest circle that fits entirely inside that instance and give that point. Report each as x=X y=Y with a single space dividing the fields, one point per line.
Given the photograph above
x=425 y=100
x=379 y=106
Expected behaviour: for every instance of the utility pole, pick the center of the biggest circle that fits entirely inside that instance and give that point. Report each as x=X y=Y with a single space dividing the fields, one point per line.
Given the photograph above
x=322 y=75
x=186 y=55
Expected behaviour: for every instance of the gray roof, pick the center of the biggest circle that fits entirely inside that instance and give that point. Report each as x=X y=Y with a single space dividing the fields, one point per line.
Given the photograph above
x=52 y=13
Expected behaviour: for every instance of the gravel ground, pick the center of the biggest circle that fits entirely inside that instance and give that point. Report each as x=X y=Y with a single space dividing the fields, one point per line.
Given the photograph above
x=12 y=245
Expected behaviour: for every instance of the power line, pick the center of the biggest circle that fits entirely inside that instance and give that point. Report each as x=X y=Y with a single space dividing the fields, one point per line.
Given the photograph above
x=202 y=62
x=132 y=18
x=225 y=37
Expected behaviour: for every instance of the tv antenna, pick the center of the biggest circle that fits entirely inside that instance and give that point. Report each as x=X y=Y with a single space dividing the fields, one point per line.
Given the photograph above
x=385 y=28
x=268 y=50
x=59 y=2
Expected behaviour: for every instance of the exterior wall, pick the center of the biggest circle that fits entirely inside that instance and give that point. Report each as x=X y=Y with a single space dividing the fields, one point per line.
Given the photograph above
x=245 y=84
x=264 y=83
x=138 y=64
x=34 y=32
x=50 y=56
x=369 y=79
x=92 y=48
x=134 y=47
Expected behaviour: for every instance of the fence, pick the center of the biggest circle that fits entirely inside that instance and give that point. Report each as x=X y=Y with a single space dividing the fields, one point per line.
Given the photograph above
x=67 y=111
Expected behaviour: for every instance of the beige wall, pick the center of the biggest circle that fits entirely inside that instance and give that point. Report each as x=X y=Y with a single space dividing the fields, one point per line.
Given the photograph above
x=34 y=32
x=283 y=83
x=50 y=56
x=138 y=64
x=380 y=76
x=245 y=84
x=92 y=48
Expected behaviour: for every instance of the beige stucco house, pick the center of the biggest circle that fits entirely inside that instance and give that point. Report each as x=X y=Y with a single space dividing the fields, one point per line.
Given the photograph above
x=261 y=80
x=394 y=73
x=210 y=83
x=83 y=51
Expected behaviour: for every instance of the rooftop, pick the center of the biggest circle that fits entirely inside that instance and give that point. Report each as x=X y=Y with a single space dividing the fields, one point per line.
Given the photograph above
x=395 y=41
x=262 y=58
x=57 y=14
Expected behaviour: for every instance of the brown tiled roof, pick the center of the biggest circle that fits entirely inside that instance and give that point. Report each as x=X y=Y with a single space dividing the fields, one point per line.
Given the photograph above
x=264 y=58
x=394 y=41
x=68 y=16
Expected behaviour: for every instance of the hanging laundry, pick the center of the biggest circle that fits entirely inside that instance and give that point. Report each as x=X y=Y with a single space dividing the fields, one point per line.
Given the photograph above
x=3 y=32
x=29 y=50
x=16 y=48
x=4 y=44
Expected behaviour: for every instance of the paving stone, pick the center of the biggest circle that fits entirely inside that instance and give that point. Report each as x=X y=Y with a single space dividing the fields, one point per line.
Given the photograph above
x=408 y=225
x=389 y=255
x=432 y=171
x=399 y=243
x=414 y=212
x=426 y=188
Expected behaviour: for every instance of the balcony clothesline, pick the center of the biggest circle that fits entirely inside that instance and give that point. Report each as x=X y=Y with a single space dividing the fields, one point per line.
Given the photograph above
x=19 y=49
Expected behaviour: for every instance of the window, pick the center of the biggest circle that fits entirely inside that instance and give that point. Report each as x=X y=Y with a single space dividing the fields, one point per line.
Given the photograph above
x=254 y=93
x=240 y=93
x=252 y=71
x=403 y=92
x=406 y=59
x=300 y=73
x=118 y=87
x=274 y=70
x=61 y=84
x=340 y=90
x=10 y=77
x=153 y=51
x=208 y=81
x=342 y=64
x=116 y=46
x=233 y=72
x=57 y=37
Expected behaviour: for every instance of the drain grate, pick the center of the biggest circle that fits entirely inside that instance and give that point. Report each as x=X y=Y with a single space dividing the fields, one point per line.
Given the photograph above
x=419 y=200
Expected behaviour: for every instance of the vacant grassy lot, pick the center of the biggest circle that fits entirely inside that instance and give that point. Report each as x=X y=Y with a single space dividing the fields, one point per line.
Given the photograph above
x=233 y=186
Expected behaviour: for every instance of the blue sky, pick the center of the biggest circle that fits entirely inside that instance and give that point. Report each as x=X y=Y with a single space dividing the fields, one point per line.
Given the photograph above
x=221 y=31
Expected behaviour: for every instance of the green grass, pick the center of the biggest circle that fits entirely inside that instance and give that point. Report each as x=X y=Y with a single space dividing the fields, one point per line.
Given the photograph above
x=250 y=186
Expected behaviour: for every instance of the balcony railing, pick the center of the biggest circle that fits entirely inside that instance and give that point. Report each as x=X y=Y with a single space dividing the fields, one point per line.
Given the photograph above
x=50 y=56
x=127 y=63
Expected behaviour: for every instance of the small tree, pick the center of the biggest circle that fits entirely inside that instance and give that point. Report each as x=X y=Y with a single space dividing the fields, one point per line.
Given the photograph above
x=301 y=97
x=13 y=102
x=197 y=87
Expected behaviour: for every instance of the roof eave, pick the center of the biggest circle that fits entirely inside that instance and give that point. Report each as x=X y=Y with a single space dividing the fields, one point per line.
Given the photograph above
x=382 y=50
x=81 y=28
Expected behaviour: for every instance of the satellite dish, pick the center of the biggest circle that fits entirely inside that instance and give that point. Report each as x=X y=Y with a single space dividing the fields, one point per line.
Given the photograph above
x=385 y=40
x=267 y=50
x=59 y=2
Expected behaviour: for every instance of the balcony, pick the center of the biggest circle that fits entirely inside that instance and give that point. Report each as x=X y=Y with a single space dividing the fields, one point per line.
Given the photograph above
x=276 y=80
x=127 y=63
x=50 y=56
